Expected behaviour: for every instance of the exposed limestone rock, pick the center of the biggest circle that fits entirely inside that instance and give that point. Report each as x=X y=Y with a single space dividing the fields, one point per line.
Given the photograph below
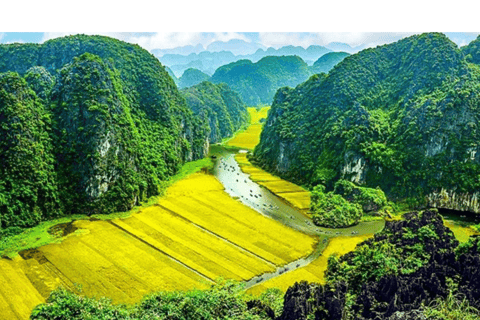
x=355 y=168
x=450 y=199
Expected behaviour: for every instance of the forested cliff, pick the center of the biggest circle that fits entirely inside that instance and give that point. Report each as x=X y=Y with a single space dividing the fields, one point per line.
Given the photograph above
x=88 y=124
x=402 y=116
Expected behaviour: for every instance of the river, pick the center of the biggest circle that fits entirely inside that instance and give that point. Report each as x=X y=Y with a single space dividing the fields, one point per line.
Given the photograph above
x=239 y=186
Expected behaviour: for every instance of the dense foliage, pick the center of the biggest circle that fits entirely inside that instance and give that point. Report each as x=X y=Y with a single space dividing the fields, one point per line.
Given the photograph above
x=401 y=248
x=28 y=189
x=95 y=127
x=221 y=302
x=332 y=210
x=221 y=107
x=192 y=77
x=326 y=62
x=402 y=116
x=257 y=82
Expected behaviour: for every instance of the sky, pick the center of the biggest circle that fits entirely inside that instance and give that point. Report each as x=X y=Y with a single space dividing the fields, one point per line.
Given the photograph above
x=167 y=40
x=270 y=23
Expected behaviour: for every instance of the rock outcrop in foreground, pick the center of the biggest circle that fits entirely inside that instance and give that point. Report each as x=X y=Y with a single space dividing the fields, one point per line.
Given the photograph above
x=397 y=294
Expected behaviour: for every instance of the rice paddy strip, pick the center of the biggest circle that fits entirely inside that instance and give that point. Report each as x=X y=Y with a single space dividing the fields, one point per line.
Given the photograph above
x=169 y=273
x=233 y=233
x=166 y=250
x=17 y=293
x=250 y=137
x=84 y=267
x=211 y=243
x=315 y=271
x=40 y=277
x=251 y=237
x=137 y=265
x=209 y=247
x=258 y=223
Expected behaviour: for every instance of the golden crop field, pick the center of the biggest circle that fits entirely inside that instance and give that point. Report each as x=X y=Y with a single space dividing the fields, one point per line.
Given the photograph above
x=250 y=137
x=462 y=234
x=290 y=192
x=313 y=272
x=193 y=236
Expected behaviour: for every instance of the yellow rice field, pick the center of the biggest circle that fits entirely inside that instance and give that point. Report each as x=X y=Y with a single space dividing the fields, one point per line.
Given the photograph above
x=313 y=272
x=293 y=194
x=250 y=137
x=462 y=234
x=194 y=235
x=290 y=192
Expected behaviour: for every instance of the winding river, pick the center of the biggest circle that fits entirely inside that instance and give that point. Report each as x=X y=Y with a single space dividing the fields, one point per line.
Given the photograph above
x=239 y=185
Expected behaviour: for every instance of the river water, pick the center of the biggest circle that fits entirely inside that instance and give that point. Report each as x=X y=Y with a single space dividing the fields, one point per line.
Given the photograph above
x=239 y=185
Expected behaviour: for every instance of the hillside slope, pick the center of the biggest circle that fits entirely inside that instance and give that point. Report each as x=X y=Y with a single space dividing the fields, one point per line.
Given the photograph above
x=258 y=82
x=221 y=107
x=401 y=116
x=115 y=118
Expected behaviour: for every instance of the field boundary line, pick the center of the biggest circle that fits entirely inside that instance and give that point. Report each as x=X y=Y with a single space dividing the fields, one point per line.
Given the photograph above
x=161 y=251
x=217 y=235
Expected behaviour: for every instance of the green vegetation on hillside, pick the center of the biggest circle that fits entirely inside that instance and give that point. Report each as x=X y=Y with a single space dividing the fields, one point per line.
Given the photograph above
x=102 y=121
x=222 y=108
x=192 y=77
x=332 y=210
x=28 y=189
x=402 y=116
x=258 y=82
x=326 y=62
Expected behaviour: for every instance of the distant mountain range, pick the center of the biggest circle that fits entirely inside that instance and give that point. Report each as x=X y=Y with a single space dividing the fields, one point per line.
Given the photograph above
x=220 y=53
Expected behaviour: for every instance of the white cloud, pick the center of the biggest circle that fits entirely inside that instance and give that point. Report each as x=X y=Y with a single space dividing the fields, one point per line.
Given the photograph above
x=160 y=40
x=227 y=36
x=370 y=39
x=166 y=40
x=2 y=34
x=280 y=39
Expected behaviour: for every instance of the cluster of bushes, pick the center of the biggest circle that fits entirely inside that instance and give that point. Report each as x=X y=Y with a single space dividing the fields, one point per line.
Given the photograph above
x=345 y=205
x=224 y=301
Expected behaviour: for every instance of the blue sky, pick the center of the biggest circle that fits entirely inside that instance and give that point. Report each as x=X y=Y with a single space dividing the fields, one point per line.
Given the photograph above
x=165 y=40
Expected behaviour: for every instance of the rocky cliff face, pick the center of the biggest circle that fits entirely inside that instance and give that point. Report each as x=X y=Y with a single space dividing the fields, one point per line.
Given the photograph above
x=401 y=116
x=95 y=136
x=450 y=199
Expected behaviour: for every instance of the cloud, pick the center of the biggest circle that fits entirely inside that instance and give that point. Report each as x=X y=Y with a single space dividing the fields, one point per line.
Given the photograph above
x=2 y=34
x=275 y=39
x=280 y=39
x=160 y=40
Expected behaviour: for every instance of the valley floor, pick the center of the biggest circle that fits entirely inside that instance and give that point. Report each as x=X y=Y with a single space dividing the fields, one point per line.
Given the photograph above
x=190 y=238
